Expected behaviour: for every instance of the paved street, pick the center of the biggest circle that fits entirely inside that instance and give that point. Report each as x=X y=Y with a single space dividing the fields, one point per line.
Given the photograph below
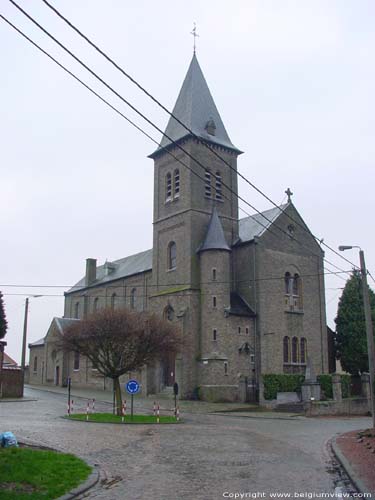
x=206 y=457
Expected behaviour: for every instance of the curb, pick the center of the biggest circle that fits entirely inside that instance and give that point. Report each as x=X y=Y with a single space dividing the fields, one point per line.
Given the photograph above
x=81 y=488
x=358 y=483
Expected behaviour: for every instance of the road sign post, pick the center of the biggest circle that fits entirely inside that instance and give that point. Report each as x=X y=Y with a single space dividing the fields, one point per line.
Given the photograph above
x=132 y=387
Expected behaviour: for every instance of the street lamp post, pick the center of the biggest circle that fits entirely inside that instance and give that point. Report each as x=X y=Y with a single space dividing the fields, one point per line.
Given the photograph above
x=369 y=328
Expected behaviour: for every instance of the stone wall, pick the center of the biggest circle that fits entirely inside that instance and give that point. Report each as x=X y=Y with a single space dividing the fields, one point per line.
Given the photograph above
x=352 y=406
x=11 y=383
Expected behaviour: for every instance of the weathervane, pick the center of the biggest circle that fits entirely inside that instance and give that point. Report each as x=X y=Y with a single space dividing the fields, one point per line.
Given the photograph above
x=195 y=34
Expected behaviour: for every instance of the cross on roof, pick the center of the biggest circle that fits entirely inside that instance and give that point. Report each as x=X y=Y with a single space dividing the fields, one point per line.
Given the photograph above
x=289 y=194
x=195 y=34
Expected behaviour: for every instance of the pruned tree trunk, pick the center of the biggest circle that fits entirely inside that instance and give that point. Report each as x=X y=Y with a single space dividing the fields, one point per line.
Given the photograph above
x=118 y=397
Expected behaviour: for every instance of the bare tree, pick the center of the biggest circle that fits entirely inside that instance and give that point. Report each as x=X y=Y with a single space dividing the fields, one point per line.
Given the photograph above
x=120 y=341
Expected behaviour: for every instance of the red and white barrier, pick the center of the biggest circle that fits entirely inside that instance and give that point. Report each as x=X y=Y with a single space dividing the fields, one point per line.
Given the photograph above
x=87 y=410
x=158 y=415
x=178 y=414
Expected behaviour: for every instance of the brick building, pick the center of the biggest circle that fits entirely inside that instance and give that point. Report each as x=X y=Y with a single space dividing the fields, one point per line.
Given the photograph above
x=248 y=294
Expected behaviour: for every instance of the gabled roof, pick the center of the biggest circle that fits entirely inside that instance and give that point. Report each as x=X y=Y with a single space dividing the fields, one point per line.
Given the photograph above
x=256 y=225
x=8 y=361
x=215 y=239
x=63 y=323
x=196 y=109
x=133 y=264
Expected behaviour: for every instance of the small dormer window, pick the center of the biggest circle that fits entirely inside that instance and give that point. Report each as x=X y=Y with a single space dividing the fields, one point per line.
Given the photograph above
x=211 y=127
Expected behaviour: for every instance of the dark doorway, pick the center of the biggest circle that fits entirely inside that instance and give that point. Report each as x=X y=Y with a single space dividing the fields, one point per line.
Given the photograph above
x=169 y=375
x=57 y=375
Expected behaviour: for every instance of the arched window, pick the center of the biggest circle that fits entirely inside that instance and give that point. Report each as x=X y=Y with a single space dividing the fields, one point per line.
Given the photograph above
x=76 y=361
x=96 y=304
x=296 y=285
x=214 y=334
x=113 y=301
x=214 y=301
x=207 y=184
x=286 y=350
x=218 y=186
x=168 y=187
x=169 y=313
x=176 y=186
x=35 y=364
x=287 y=283
x=213 y=274
x=172 y=255
x=303 y=350
x=76 y=310
x=295 y=350
x=133 y=298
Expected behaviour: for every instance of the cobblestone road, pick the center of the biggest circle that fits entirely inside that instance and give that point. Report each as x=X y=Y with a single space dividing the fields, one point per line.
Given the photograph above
x=205 y=458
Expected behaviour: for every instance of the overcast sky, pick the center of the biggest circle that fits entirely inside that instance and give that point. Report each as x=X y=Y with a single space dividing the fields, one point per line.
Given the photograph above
x=293 y=81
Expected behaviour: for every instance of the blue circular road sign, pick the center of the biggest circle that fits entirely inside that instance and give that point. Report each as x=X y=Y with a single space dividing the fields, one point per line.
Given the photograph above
x=132 y=387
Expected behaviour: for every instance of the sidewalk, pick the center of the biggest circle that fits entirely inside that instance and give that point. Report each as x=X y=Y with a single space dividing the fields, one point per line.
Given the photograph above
x=166 y=402
x=356 y=452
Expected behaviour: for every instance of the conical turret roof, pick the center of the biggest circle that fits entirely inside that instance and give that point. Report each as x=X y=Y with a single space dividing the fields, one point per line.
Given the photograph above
x=196 y=109
x=215 y=239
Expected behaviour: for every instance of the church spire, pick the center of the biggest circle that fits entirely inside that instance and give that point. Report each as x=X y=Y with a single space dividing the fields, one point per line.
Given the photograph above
x=196 y=109
x=215 y=239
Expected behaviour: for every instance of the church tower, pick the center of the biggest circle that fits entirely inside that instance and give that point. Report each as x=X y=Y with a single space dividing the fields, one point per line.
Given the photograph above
x=194 y=189
x=189 y=180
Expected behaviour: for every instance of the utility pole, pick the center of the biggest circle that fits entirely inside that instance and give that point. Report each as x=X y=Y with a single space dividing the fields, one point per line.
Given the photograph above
x=23 y=359
x=369 y=332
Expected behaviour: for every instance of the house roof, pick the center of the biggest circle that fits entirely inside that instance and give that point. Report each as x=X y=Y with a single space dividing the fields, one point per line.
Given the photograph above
x=255 y=225
x=8 y=361
x=215 y=239
x=196 y=109
x=127 y=266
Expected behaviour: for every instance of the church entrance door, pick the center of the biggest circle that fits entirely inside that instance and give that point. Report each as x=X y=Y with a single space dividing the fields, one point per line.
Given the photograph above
x=169 y=370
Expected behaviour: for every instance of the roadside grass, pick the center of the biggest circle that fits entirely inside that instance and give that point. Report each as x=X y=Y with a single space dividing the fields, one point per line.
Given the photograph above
x=109 y=418
x=26 y=473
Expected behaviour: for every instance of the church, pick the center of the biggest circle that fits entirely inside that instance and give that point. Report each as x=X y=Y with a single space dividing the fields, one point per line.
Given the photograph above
x=247 y=294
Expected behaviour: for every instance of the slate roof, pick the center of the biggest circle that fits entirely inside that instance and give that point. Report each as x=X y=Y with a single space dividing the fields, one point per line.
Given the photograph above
x=37 y=343
x=215 y=239
x=63 y=323
x=256 y=225
x=196 y=109
x=133 y=264
x=239 y=307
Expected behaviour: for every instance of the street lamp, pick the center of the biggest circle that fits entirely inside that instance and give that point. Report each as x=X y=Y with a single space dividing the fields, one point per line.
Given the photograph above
x=369 y=329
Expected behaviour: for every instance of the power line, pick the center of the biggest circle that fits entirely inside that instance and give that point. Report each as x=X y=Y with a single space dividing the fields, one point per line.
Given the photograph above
x=146 y=119
x=188 y=129
x=157 y=128
x=150 y=285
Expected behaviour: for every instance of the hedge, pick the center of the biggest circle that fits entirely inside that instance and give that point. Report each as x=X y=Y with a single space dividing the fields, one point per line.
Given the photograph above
x=274 y=383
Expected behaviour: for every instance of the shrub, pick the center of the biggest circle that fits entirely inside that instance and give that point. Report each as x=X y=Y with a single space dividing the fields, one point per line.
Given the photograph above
x=274 y=383
x=325 y=382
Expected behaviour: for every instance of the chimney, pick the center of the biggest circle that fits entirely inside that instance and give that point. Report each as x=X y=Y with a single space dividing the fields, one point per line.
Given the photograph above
x=90 y=271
